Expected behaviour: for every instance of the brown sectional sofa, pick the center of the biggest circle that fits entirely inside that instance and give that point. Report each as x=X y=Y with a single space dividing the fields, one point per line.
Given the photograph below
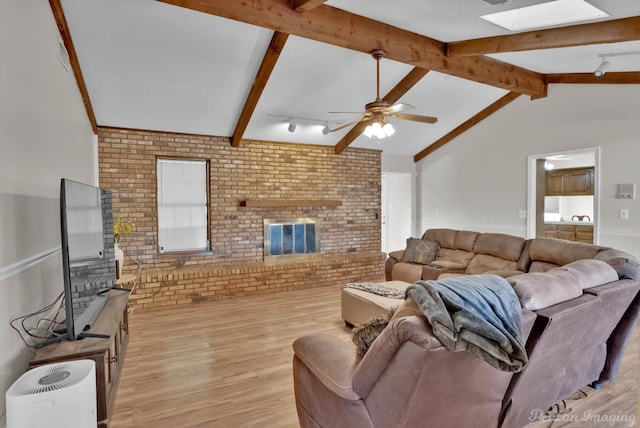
x=571 y=340
x=463 y=252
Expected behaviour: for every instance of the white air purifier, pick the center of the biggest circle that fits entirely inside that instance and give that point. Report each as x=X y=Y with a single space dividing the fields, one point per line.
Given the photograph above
x=61 y=395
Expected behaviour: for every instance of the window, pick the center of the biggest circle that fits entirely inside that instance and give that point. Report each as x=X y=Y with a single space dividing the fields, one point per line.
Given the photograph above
x=182 y=205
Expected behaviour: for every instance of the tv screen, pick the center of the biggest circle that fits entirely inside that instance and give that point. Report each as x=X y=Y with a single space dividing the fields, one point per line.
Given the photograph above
x=84 y=222
x=86 y=228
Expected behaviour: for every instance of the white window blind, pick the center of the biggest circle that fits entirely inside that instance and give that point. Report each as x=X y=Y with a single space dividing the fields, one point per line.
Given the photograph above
x=182 y=205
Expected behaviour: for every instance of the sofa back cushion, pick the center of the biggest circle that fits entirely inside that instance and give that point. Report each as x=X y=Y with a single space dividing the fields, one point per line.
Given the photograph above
x=465 y=240
x=547 y=252
x=626 y=265
x=507 y=247
x=590 y=272
x=445 y=237
x=539 y=290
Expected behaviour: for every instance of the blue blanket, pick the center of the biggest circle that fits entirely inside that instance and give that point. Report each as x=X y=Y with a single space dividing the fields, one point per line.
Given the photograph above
x=477 y=313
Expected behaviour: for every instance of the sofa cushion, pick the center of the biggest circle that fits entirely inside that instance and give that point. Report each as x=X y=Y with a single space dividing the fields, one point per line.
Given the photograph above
x=540 y=290
x=507 y=247
x=591 y=273
x=541 y=266
x=560 y=252
x=445 y=237
x=420 y=251
x=465 y=240
x=627 y=266
x=483 y=263
x=453 y=259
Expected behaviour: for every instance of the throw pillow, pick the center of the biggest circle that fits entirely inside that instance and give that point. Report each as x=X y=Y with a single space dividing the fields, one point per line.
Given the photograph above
x=420 y=251
x=364 y=335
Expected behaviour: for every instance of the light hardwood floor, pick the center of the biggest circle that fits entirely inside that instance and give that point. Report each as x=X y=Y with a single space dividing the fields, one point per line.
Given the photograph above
x=228 y=364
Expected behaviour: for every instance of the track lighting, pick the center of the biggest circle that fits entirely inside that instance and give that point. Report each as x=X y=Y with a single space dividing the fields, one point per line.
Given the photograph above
x=292 y=125
x=293 y=122
x=605 y=64
x=601 y=70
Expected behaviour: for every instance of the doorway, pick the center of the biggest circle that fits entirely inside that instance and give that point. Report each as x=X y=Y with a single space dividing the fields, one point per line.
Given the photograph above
x=587 y=157
x=396 y=207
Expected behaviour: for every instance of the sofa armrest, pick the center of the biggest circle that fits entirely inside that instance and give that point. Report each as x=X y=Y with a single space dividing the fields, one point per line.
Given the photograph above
x=394 y=257
x=383 y=350
x=331 y=360
x=397 y=255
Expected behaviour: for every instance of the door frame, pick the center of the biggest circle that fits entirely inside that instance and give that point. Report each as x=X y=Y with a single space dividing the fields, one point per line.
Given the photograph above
x=532 y=188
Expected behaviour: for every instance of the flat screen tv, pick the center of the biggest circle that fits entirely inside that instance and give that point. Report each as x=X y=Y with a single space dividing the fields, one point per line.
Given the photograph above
x=89 y=270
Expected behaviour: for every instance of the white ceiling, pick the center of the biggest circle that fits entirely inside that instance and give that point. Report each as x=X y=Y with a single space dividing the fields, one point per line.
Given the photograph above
x=150 y=65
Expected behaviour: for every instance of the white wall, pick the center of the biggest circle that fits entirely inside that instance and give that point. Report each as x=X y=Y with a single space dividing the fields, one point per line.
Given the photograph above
x=44 y=135
x=479 y=180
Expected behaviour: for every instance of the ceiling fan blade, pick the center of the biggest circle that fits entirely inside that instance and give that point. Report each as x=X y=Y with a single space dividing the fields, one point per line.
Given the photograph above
x=346 y=125
x=397 y=108
x=415 y=117
x=352 y=135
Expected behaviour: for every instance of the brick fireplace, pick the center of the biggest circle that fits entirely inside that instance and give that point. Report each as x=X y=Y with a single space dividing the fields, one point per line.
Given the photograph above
x=291 y=237
x=349 y=244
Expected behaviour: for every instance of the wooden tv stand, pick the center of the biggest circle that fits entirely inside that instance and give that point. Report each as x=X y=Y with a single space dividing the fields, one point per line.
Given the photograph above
x=108 y=354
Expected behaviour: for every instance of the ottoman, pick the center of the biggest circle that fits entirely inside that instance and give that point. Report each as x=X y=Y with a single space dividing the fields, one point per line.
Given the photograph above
x=359 y=306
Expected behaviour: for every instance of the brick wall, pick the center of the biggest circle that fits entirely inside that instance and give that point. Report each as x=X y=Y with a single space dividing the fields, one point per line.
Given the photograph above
x=255 y=170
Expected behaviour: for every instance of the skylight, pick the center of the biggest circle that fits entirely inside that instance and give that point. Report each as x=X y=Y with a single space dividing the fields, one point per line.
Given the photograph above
x=545 y=15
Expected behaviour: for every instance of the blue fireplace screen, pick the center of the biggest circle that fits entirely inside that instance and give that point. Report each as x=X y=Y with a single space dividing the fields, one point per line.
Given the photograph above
x=291 y=237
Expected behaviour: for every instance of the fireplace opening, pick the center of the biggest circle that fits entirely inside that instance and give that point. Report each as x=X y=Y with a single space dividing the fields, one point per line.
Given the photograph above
x=289 y=237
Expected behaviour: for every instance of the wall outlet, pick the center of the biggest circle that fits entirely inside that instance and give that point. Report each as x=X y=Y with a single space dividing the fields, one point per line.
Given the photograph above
x=522 y=214
x=624 y=214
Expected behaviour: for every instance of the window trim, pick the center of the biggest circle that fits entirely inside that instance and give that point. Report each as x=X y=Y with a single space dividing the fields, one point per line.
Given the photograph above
x=208 y=205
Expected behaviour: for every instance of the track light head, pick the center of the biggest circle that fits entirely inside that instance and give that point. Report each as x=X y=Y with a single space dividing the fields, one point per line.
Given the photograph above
x=601 y=70
x=292 y=125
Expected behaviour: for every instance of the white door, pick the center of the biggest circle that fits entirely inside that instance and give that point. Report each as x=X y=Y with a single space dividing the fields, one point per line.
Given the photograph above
x=397 y=206
x=383 y=214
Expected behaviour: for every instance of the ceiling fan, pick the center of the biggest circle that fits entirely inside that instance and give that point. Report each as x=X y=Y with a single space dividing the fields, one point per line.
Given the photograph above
x=374 y=119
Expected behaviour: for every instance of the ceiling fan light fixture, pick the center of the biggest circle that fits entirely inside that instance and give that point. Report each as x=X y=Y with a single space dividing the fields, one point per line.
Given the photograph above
x=379 y=130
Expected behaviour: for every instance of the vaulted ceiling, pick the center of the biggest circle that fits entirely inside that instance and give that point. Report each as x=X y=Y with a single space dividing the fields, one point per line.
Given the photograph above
x=242 y=68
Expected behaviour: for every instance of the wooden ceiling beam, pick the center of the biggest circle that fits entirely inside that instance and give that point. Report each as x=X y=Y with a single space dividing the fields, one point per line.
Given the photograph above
x=63 y=28
x=259 y=83
x=350 y=136
x=392 y=97
x=341 y=28
x=408 y=82
x=613 y=31
x=305 y=5
x=467 y=125
x=620 y=78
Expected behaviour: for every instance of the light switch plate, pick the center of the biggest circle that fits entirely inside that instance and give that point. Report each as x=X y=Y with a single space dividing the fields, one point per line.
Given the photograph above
x=624 y=214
